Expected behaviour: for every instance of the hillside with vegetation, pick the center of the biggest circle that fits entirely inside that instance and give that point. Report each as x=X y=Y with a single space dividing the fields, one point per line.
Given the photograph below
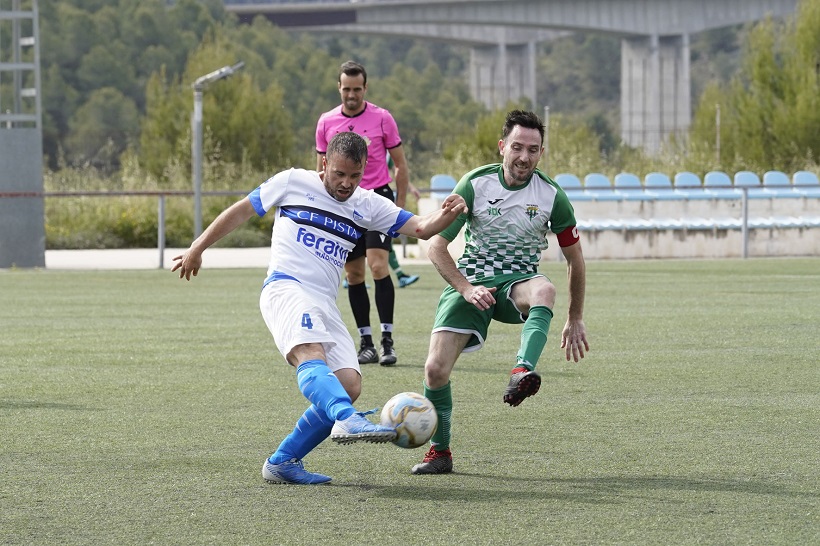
x=117 y=102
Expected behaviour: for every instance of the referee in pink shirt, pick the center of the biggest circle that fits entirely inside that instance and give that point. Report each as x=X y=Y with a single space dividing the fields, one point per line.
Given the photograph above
x=379 y=130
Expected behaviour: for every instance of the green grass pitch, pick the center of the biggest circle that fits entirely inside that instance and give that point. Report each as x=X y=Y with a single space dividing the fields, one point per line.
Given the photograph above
x=137 y=409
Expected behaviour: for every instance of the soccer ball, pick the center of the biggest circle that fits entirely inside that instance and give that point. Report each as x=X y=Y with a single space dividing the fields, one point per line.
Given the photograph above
x=413 y=416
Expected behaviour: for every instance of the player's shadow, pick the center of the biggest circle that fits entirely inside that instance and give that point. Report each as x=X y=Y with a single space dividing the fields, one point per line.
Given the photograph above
x=502 y=369
x=603 y=490
x=34 y=404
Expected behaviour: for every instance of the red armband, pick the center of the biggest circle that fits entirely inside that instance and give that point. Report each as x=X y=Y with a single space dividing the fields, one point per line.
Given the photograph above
x=568 y=237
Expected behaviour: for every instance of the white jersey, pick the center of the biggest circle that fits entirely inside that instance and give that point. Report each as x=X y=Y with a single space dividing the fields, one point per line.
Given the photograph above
x=313 y=232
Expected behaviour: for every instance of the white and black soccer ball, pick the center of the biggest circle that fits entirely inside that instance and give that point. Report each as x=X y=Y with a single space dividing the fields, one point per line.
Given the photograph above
x=413 y=416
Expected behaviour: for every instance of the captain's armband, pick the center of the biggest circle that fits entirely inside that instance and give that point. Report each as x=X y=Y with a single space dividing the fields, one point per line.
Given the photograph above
x=568 y=237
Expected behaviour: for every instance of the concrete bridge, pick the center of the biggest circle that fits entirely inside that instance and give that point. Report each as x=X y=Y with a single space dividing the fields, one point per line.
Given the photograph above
x=655 y=80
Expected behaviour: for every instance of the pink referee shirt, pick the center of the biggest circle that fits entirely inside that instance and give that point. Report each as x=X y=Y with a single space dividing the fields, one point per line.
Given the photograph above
x=376 y=126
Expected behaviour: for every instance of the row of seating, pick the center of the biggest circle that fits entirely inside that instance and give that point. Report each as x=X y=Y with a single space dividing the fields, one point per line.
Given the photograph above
x=716 y=185
x=687 y=185
x=656 y=185
x=698 y=223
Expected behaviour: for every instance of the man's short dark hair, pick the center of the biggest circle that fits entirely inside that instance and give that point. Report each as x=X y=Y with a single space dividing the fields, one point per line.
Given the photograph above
x=528 y=120
x=352 y=68
x=348 y=145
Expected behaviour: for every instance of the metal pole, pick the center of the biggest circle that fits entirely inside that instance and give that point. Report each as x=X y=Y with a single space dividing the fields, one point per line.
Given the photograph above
x=16 y=58
x=196 y=159
x=196 y=136
x=161 y=231
x=717 y=134
x=547 y=139
x=744 y=225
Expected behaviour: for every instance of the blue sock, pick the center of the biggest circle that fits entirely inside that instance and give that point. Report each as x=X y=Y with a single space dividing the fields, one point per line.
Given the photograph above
x=311 y=429
x=323 y=389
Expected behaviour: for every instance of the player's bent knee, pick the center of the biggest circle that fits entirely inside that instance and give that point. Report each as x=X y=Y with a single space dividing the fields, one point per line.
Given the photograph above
x=435 y=375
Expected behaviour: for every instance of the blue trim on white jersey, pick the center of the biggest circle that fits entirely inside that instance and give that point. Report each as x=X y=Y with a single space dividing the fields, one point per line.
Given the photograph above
x=279 y=276
x=256 y=201
x=323 y=220
x=400 y=221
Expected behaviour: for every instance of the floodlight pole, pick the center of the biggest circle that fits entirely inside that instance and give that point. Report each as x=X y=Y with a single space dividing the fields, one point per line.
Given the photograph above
x=196 y=136
x=546 y=139
x=717 y=135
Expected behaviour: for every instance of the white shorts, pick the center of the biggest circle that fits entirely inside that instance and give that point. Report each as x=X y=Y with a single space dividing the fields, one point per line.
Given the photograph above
x=295 y=316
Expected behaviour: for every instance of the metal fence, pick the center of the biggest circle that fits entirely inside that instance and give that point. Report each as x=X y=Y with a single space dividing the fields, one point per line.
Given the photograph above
x=744 y=223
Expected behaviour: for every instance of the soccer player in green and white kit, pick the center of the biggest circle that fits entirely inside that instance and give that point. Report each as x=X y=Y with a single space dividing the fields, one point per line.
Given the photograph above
x=512 y=206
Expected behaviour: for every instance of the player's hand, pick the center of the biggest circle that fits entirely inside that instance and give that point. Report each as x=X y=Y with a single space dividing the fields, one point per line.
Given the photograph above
x=188 y=264
x=480 y=296
x=454 y=204
x=574 y=340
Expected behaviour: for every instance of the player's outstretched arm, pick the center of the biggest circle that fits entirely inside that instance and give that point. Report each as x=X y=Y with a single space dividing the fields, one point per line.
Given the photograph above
x=424 y=227
x=228 y=220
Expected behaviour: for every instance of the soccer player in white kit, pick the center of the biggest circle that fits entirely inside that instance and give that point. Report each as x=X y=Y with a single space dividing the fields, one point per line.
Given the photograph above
x=320 y=218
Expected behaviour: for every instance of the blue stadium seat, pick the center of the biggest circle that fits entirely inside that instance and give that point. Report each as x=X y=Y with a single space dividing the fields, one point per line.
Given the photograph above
x=750 y=180
x=441 y=185
x=637 y=224
x=719 y=186
x=806 y=182
x=568 y=181
x=600 y=188
x=697 y=223
x=811 y=220
x=661 y=186
x=725 y=222
x=788 y=221
x=664 y=223
x=777 y=184
x=688 y=185
x=630 y=186
x=572 y=185
x=603 y=224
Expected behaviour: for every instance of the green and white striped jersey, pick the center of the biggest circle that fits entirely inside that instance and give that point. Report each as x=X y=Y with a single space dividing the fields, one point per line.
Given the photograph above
x=507 y=226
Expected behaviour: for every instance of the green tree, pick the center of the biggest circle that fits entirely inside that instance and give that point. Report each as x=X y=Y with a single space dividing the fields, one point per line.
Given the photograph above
x=102 y=67
x=88 y=45
x=770 y=111
x=165 y=129
x=243 y=122
x=579 y=75
x=101 y=129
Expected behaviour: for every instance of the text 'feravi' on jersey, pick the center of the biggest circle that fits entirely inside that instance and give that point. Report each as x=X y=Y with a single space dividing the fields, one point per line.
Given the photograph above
x=507 y=225
x=313 y=232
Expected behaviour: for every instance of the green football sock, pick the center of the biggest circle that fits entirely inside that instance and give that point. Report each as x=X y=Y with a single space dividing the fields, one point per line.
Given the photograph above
x=442 y=399
x=534 y=336
x=393 y=260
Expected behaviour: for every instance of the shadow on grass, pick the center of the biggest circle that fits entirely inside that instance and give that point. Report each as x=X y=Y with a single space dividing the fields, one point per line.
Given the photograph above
x=604 y=490
x=33 y=404
x=504 y=369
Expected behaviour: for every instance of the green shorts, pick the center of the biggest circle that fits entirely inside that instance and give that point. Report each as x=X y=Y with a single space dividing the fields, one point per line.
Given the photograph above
x=455 y=314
